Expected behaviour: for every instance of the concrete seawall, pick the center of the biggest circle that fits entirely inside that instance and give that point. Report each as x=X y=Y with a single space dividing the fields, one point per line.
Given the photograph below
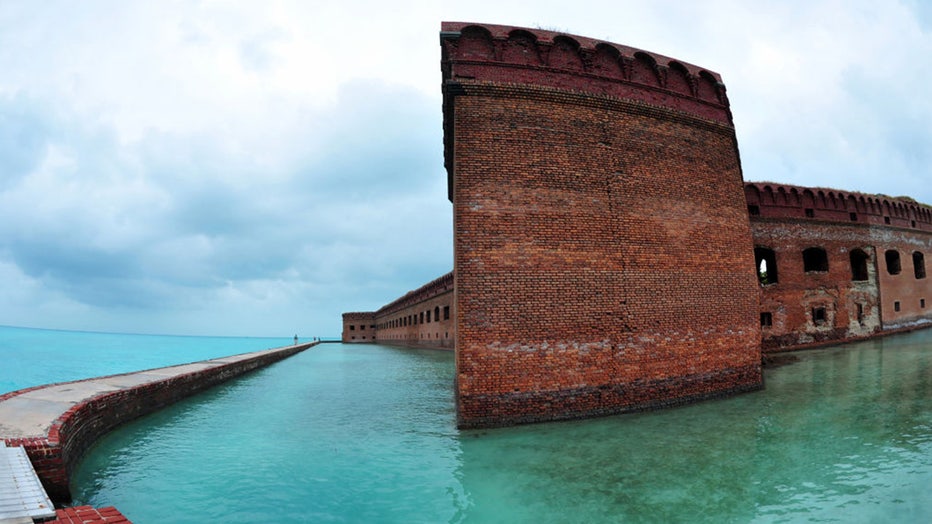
x=58 y=423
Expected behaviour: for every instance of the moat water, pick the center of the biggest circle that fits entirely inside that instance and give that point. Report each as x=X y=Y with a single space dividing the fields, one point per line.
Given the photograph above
x=367 y=434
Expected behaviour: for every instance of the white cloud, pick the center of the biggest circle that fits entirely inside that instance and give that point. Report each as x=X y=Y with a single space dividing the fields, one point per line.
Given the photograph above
x=257 y=168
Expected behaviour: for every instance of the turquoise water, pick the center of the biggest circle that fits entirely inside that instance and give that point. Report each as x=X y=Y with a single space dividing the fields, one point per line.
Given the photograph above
x=32 y=357
x=367 y=434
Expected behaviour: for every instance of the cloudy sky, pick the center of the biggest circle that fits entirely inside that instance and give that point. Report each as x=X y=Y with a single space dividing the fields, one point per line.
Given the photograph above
x=257 y=168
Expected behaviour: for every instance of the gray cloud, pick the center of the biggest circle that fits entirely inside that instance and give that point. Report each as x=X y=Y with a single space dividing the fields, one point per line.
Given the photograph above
x=174 y=220
x=235 y=169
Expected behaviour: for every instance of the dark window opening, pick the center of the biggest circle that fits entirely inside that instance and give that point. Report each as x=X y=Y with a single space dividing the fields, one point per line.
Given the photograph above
x=766 y=319
x=818 y=316
x=886 y=220
x=859 y=265
x=422 y=317
x=810 y=213
x=919 y=264
x=352 y=328
x=446 y=312
x=753 y=210
x=922 y=303
x=893 y=261
x=853 y=216
x=861 y=314
x=437 y=313
x=896 y=306
x=766 y=262
x=914 y=223
x=428 y=316
x=815 y=259
x=362 y=327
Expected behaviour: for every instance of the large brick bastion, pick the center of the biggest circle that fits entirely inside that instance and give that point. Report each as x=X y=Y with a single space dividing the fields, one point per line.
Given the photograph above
x=608 y=255
x=597 y=203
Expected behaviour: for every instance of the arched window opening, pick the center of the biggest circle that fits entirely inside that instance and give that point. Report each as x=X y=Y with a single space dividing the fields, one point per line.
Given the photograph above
x=893 y=261
x=815 y=259
x=766 y=262
x=859 y=261
x=919 y=264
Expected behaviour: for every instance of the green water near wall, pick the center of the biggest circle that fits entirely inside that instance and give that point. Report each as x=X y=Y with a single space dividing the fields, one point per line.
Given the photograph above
x=366 y=434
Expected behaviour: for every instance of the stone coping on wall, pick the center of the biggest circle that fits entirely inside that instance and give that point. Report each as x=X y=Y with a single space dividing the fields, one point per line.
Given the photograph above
x=57 y=423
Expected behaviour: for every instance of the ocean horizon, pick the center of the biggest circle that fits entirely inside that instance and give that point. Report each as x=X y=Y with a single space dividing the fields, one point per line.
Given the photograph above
x=37 y=356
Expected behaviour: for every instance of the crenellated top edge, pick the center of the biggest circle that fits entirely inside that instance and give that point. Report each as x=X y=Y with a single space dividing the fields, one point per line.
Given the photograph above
x=503 y=32
x=777 y=200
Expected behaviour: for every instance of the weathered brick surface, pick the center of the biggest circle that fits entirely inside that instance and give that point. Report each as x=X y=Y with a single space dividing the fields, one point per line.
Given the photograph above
x=789 y=220
x=595 y=236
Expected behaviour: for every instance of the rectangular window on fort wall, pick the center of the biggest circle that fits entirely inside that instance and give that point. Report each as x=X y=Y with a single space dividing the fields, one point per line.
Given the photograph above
x=766 y=319
x=892 y=257
x=446 y=312
x=818 y=316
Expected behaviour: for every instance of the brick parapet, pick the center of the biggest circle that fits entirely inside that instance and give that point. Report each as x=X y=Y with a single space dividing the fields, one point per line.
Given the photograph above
x=768 y=200
x=440 y=285
x=55 y=454
x=506 y=54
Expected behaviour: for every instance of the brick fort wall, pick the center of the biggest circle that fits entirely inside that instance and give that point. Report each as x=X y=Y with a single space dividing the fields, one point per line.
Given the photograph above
x=420 y=318
x=598 y=204
x=839 y=265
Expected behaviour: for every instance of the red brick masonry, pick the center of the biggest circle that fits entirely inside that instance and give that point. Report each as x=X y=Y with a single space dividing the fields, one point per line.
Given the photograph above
x=597 y=200
x=88 y=515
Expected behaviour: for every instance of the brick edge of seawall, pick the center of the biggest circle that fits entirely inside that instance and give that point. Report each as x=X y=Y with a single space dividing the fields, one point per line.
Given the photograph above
x=55 y=455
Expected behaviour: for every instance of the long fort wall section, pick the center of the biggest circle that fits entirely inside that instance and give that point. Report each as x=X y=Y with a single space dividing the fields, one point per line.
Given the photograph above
x=420 y=318
x=838 y=265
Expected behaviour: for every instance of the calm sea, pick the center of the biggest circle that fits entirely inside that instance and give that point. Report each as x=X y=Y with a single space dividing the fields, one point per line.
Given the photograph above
x=31 y=357
x=366 y=433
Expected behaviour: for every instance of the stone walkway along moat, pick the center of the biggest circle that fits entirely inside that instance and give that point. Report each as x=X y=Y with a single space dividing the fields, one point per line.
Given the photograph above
x=56 y=423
